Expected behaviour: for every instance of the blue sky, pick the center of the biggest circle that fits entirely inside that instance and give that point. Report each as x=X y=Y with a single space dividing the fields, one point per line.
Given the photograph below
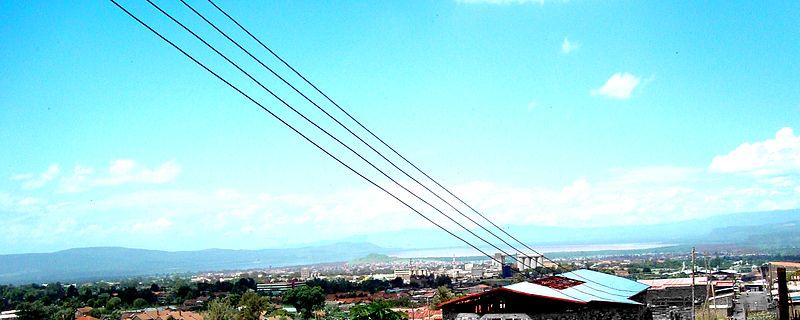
x=540 y=113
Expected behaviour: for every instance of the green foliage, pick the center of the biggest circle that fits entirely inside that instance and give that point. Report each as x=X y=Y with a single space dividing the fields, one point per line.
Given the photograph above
x=764 y=315
x=340 y=285
x=139 y=303
x=443 y=294
x=305 y=298
x=332 y=312
x=518 y=277
x=378 y=310
x=220 y=309
x=251 y=306
x=397 y=282
x=114 y=303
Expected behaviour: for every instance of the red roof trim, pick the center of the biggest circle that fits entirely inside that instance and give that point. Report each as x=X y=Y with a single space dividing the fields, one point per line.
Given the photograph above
x=474 y=295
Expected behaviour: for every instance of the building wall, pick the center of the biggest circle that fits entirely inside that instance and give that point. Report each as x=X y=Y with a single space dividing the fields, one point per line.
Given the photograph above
x=589 y=314
x=674 y=303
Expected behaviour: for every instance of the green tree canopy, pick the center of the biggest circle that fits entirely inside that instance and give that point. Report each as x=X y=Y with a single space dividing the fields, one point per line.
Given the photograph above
x=139 y=303
x=443 y=294
x=220 y=309
x=332 y=312
x=251 y=306
x=305 y=299
x=114 y=303
x=378 y=310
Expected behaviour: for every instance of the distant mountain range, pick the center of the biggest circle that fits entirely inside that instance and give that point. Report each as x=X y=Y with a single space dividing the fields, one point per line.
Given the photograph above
x=86 y=264
x=727 y=228
x=755 y=229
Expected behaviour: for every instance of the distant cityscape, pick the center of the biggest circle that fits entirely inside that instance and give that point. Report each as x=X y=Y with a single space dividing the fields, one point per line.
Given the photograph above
x=724 y=285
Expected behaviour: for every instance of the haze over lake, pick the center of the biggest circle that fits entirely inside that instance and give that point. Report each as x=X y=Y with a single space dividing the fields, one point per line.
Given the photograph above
x=468 y=252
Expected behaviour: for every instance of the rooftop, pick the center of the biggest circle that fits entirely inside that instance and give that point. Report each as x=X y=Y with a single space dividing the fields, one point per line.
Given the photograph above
x=581 y=286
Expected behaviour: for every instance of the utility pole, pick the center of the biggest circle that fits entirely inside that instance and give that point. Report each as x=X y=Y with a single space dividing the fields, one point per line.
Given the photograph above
x=783 y=295
x=693 y=317
x=708 y=285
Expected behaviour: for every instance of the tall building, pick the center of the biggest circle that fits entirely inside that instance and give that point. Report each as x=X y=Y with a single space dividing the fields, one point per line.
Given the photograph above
x=496 y=262
x=530 y=261
x=404 y=274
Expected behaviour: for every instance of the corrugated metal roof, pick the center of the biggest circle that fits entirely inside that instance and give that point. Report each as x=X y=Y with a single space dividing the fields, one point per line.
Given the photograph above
x=594 y=287
x=600 y=286
x=660 y=284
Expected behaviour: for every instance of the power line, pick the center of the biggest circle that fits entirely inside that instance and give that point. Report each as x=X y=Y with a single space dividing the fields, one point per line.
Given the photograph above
x=320 y=128
x=298 y=132
x=293 y=128
x=346 y=128
x=391 y=148
x=247 y=96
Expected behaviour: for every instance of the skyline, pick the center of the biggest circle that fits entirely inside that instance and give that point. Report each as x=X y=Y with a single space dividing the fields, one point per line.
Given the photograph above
x=538 y=113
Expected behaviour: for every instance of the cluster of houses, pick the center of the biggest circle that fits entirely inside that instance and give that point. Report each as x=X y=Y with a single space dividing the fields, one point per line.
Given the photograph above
x=585 y=294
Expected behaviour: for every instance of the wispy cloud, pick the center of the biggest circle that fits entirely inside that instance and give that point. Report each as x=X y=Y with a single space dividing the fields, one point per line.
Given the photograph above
x=119 y=172
x=125 y=170
x=34 y=181
x=619 y=86
x=239 y=218
x=569 y=46
x=159 y=225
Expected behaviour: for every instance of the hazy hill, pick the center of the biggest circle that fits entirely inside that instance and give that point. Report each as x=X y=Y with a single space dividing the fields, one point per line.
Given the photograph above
x=705 y=230
x=754 y=229
x=114 y=262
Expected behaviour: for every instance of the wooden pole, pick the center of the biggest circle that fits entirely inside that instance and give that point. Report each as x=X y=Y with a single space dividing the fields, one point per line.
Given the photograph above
x=783 y=295
x=693 y=252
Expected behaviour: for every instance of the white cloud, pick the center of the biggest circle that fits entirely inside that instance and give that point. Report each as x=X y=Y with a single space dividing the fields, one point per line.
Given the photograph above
x=76 y=182
x=502 y=2
x=619 y=86
x=238 y=218
x=567 y=46
x=31 y=181
x=125 y=170
x=151 y=227
x=119 y=172
x=777 y=156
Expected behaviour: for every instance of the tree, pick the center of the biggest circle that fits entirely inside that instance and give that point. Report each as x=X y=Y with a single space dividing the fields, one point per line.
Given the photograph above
x=114 y=303
x=397 y=282
x=72 y=291
x=518 y=277
x=139 y=303
x=251 y=306
x=220 y=309
x=378 y=310
x=332 y=312
x=305 y=299
x=32 y=311
x=443 y=294
x=443 y=280
x=63 y=314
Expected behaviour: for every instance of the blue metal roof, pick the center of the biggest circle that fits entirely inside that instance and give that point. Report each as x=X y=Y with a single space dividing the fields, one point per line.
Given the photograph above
x=595 y=286
x=604 y=287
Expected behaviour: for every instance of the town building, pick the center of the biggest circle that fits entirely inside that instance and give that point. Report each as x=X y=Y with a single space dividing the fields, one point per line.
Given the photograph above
x=529 y=261
x=581 y=294
x=672 y=298
x=498 y=261
x=277 y=288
